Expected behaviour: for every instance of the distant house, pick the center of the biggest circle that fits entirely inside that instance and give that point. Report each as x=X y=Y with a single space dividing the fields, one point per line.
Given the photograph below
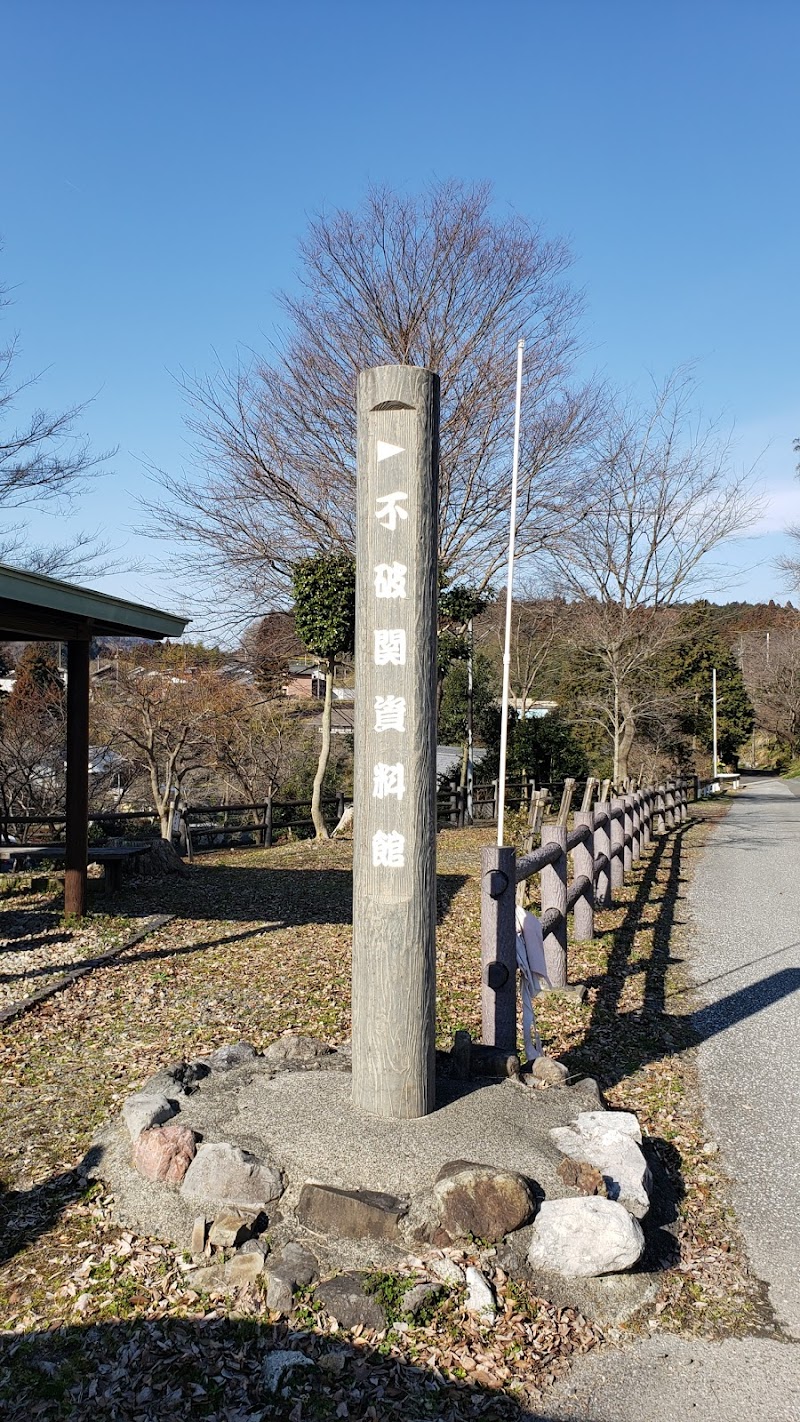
x=305 y=679
x=536 y=709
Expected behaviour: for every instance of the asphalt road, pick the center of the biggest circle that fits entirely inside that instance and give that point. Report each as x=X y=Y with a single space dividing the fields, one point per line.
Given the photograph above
x=745 y=901
x=745 y=905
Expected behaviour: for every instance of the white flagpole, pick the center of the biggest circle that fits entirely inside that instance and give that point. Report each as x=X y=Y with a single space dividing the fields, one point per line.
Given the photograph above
x=715 y=761
x=501 y=780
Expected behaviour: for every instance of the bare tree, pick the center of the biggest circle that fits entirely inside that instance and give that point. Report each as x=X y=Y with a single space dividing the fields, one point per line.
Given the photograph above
x=258 y=741
x=535 y=622
x=43 y=465
x=33 y=730
x=790 y=563
x=771 y=668
x=269 y=647
x=161 y=722
x=665 y=496
x=437 y=281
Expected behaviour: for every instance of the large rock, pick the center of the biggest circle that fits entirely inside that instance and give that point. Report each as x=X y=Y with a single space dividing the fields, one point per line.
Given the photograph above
x=480 y=1299
x=344 y=1299
x=146 y=1109
x=349 y=1214
x=278 y=1364
x=293 y=1267
x=585 y=1237
x=608 y=1140
x=236 y=1055
x=480 y=1202
x=222 y=1174
x=549 y=1072
x=244 y=1267
x=231 y=1228
x=164 y=1153
x=296 y=1051
x=418 y=1296
x=590 y=1122
x=299 y=1262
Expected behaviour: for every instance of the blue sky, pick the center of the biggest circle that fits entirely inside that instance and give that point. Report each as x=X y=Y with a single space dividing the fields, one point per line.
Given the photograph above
x=160 y=160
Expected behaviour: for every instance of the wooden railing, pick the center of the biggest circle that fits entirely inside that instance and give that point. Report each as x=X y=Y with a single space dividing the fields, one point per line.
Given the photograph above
x=208 y=827
x=215 y=826
x=604 y=844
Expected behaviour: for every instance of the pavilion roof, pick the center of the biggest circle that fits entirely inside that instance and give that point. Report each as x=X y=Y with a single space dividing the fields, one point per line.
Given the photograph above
x=36 y=608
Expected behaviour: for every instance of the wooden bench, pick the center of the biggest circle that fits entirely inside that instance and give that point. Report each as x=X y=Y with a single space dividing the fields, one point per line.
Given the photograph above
x=112 y=857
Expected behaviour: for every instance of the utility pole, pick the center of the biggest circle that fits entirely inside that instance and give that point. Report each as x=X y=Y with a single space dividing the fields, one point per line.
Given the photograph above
x=714 y=771
x=470 y=763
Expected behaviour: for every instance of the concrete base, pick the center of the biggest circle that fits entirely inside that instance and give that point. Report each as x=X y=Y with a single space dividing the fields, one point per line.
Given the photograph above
x=304 y=1123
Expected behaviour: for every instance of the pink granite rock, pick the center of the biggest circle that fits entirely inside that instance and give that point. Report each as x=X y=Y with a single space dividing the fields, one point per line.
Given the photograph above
x=164 y=1153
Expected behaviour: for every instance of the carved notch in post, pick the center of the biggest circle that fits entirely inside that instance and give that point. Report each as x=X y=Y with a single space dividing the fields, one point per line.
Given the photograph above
x=553 y=882
x=394 y=840
x=498 y=948
x=602 y=854
x=617 y=842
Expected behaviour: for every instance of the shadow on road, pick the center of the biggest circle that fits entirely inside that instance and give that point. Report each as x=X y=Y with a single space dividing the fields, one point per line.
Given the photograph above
x=617 y=1042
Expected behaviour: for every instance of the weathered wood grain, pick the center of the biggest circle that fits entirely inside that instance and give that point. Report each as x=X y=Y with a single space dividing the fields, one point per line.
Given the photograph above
x=394 y=908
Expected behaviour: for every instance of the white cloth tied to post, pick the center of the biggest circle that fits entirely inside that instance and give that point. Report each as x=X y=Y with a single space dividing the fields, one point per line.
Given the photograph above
x=533 y=969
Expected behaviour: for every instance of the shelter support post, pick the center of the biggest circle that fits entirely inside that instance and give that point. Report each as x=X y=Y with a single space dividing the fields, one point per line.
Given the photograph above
x=75 y=859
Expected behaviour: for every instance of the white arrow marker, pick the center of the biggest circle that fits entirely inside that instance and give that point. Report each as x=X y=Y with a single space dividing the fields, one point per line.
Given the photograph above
x=385 y=451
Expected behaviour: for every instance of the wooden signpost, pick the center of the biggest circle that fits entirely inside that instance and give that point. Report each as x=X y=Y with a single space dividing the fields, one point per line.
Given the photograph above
x=394 y=842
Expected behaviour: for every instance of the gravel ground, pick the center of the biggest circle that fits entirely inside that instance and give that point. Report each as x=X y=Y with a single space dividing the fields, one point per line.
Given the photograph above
x=36 y=948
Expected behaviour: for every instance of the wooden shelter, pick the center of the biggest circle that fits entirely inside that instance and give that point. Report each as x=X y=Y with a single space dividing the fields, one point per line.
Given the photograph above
x=34 y=608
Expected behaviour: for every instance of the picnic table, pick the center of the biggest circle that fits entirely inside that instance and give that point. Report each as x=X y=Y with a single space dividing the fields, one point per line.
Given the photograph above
x=112 y=857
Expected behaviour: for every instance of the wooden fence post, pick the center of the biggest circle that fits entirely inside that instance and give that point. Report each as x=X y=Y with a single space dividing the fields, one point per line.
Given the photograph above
x=187 y=820
x=583 y=865
x=588 y=793
x=627 y=843
x=661 y=797
x=454 y=802
x=602 y=855
x=499 y=948
x=669 y=805
x=553 y=882
x=566 y=801
x=636 y=825
x=617 y=843
x=495 y=801
x=647 y=810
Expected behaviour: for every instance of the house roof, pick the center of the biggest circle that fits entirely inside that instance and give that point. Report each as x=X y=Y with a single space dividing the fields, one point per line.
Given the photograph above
x=36 y=608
